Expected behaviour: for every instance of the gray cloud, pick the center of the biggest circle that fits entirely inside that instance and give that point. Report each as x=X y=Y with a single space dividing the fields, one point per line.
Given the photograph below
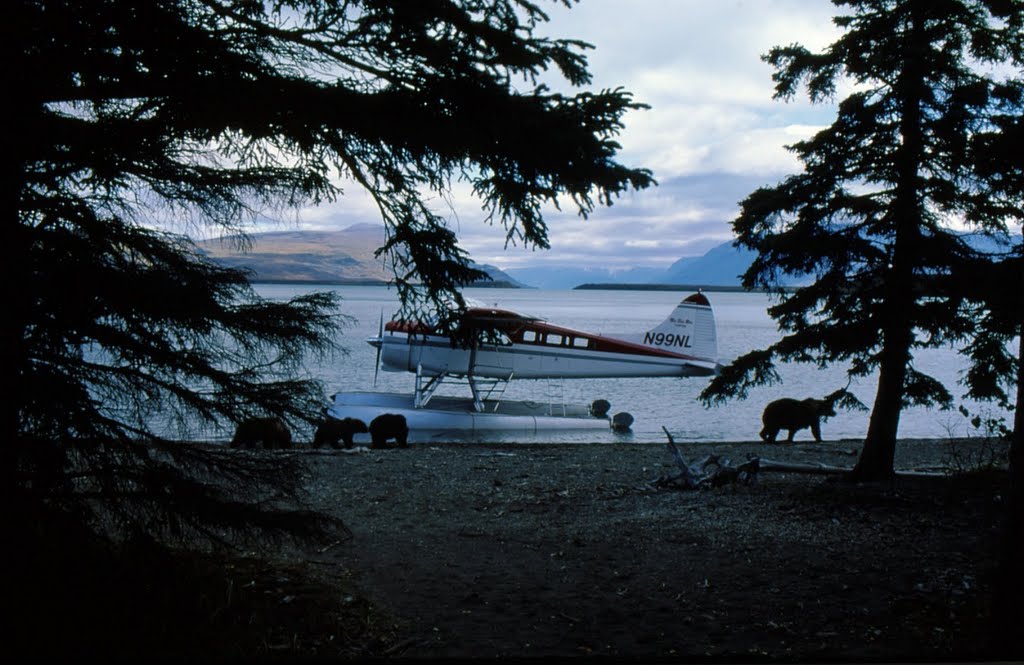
x=683 y=216
x=713 y=133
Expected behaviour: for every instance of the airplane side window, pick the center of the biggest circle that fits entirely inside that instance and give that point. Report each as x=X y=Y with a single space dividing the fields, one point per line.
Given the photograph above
x=529 y=336
x=494 y=337
x=580 y=342
x=555 y=340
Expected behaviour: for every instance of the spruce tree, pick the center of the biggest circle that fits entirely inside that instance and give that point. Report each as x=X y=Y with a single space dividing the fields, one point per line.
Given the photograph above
x=997 y=293
x=133 y=123
x=872 y=218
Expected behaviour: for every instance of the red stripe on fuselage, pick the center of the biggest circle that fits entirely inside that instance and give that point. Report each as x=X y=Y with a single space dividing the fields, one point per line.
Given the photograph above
x=518 y=329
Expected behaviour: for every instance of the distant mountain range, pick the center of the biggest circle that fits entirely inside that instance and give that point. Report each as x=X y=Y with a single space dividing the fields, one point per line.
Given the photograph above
x=326 y=257
x=346 y=257
x=722 y=265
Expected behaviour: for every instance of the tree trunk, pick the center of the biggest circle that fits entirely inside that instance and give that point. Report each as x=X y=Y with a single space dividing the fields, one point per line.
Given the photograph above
x=879 y=453
x=876 y=460
x=1007 y=607
x=15 y=269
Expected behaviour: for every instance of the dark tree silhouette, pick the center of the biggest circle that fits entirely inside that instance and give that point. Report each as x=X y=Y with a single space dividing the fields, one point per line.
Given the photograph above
x=997 y=292
x=1004 y=320
x=128 y=117
x=912 y=154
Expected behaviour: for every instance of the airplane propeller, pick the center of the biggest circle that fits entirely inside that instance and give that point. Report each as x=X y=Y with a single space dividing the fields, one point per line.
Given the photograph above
x=380 y=336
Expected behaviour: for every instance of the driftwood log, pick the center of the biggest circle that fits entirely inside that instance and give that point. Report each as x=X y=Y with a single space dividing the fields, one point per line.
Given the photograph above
x=711 y=471
x=827 y=469
x=714 y=472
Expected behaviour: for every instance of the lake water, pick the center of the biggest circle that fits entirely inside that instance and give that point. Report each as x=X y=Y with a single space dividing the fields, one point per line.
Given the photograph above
x=743 y=325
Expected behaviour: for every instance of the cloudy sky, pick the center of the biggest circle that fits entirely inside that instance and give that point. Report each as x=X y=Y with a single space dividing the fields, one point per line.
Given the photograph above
x=713 y=133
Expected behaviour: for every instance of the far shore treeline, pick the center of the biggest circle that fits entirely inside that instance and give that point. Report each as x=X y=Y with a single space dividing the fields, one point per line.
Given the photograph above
x=484 y=284
x=669 y=287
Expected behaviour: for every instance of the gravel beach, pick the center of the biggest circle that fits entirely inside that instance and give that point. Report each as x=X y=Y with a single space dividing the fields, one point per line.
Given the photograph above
x=565 y=550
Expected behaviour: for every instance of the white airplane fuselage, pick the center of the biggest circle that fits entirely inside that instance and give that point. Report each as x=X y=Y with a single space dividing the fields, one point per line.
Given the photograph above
x=515 y=346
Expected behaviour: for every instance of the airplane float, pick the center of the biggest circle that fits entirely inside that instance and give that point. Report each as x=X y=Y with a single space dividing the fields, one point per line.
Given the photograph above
x=506 y=345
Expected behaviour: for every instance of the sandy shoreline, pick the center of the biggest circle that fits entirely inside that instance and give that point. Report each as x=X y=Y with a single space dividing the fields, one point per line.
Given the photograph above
x=560 y=550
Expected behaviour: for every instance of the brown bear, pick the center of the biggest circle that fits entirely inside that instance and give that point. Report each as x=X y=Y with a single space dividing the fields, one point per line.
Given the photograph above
x=389 y=426
x=269 y=432
x=622 y=421
x=331 y=430
x=792 y=414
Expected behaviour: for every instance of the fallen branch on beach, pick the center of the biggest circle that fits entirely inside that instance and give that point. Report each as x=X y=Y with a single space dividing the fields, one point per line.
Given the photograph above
x=708 y=472
x=794 y=467
x=828 y=469
x=714 y=472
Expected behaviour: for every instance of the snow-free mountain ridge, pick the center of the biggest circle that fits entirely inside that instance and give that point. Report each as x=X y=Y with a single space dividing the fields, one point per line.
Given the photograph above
x=346 y=257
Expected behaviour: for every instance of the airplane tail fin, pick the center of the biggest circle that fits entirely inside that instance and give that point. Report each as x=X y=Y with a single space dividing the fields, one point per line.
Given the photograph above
x=689 y=329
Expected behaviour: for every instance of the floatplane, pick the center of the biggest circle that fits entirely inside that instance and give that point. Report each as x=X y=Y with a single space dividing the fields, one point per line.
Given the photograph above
x=504 y=346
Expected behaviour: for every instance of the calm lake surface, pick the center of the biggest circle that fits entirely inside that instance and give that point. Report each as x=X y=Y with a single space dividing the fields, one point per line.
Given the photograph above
x=743 y=325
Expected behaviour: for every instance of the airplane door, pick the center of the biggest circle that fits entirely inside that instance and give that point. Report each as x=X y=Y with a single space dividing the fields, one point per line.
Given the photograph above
x=494 y=358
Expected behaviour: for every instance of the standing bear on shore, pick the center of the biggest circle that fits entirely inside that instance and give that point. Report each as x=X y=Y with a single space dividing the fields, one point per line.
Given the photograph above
x=331 y=430
x=267 y=433
x=389 y=426
x=792 y=414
